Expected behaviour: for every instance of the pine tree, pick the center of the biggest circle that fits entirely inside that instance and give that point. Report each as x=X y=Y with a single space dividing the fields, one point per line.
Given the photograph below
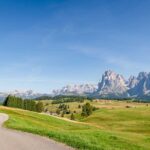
x=62 y=114
x=5 y=103
x=33 y=105
x=58 y=111
x=86 y=109
x=72 y=117
x=39 y=107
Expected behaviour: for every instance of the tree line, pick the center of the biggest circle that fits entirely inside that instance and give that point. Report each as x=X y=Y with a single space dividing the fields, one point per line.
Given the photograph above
x=26 y=104
x=67 y=99
x=64 y=97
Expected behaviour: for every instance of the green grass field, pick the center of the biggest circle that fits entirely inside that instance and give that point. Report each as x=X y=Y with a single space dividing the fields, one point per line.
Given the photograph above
x=112 y=128
x=108 y=104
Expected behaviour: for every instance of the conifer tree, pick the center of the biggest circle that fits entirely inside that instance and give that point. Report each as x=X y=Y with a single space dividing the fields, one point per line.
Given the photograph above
x=39 y=107
x=72 y=117
x=86 y=109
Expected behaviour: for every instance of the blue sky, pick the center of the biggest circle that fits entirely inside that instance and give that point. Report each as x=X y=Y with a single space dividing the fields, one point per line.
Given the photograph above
x=46 y=44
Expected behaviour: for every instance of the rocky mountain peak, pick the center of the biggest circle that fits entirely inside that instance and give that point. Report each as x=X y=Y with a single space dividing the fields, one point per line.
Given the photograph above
x=142 y=75
x=132 y=82
x=109 y=73
x=140 y=86
x=80 y=89
x=112 y=84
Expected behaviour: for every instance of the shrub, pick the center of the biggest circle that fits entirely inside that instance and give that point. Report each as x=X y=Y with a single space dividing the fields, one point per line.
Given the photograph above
x=128 y=106
x=79 y=106
x=72 y=117
x=62 y=114
x=58 y=111
x=39 y=107
x=87 y=109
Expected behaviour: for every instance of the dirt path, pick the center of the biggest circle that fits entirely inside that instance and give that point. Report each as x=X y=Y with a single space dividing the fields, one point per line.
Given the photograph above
x=15 y=140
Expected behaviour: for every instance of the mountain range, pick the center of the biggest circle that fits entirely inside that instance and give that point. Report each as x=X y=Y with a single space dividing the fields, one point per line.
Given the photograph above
x=112 y=85
x=28 y=94
x=83 y=89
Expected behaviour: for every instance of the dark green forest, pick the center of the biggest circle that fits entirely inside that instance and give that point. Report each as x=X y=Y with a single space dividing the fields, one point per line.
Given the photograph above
x=26 y=104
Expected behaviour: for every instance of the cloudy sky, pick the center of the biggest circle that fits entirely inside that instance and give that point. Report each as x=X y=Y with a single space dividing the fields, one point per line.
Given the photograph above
x=46 y=44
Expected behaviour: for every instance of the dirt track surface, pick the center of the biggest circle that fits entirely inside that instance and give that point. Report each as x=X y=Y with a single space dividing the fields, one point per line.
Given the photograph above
x=15 y=140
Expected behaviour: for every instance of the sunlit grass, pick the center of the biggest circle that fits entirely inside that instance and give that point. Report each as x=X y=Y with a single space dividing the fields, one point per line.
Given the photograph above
x=108 y=129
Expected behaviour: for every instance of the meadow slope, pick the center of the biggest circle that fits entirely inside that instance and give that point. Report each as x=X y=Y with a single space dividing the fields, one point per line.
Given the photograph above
x=107 y=129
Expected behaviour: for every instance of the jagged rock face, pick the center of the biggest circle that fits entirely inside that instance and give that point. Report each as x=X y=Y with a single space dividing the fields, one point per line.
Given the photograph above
x=132 y=82
x=112 y=85
x=142 y=86
x=76 y=89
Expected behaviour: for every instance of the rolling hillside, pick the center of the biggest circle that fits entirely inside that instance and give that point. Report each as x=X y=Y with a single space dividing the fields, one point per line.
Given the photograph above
x=105 y=129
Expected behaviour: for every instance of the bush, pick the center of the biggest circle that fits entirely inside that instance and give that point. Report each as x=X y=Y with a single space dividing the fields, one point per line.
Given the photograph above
x=72 y=117
x=62 y=114
x=39 y=107
x=79 y=106
x=58 y=111
x=87 y=110
x=128 y=106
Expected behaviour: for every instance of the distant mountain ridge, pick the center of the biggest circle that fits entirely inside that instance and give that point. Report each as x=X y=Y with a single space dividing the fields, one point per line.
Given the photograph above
x=82 y=89
x=112 y=85
x=28 y=94
x=141 y=86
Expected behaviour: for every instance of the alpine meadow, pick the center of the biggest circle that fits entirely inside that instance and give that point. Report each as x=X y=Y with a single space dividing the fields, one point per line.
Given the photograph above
x=74 y=75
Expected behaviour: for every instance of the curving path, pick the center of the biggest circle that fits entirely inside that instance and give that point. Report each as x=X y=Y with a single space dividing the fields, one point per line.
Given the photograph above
x=15 y=140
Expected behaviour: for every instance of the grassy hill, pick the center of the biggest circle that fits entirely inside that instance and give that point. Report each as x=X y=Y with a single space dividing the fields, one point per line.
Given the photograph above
x=117 y=128
x=106 y=104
